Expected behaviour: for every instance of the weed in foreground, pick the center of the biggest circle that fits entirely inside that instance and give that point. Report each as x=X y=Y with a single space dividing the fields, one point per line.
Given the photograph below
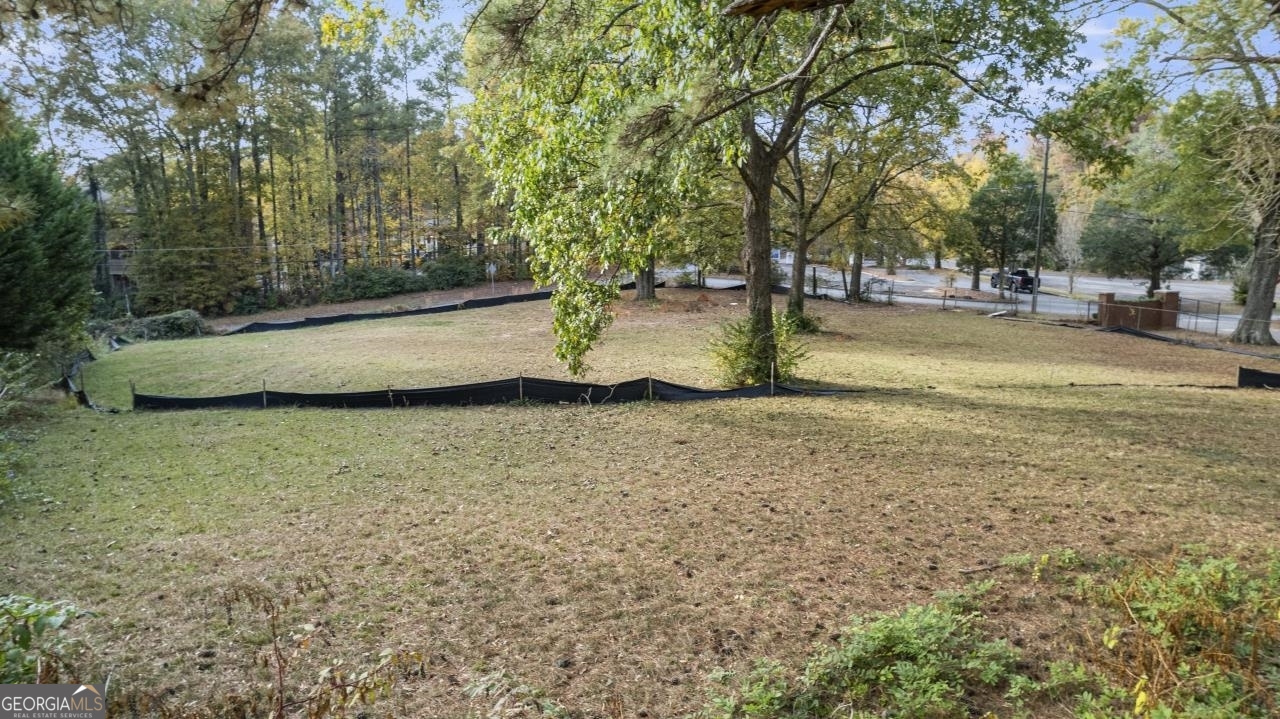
x=930 y=660
x=33 y=648
x=506 y=696
x=334 y=691
x=1195 y=637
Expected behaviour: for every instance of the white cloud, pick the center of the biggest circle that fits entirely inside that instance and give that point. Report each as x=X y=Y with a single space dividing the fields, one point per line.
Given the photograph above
x=1096 y=29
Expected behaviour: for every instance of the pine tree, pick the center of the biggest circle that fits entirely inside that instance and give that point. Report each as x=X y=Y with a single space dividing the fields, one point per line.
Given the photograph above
x=46 y=255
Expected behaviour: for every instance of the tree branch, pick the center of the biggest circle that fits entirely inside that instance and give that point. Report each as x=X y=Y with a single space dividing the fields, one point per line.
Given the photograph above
x=815 y=48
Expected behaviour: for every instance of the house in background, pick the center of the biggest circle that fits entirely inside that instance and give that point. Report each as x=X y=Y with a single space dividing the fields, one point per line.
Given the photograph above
x=1196 y=268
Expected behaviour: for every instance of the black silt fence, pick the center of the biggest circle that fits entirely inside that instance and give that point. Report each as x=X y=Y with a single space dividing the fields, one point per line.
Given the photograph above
x=517 y=389
x=1256 y=378
x=322 y=321
x=471 y=304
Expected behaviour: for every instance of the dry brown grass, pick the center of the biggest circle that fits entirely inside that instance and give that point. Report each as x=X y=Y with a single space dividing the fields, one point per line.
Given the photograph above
x=613 y=556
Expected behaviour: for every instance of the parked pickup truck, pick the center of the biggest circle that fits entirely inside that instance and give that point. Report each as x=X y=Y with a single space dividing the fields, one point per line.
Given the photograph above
x=1020 y=280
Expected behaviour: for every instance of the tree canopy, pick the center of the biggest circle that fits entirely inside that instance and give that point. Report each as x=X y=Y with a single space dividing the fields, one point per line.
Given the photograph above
x=1119 y=243
x=597 y=120
x=308 y=156
x=1005 y=213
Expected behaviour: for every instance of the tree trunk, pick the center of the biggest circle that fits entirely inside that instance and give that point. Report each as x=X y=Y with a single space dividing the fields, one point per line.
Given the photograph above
x=646 y=280
x=102 y=270
x=408 y=200
x=1255 y=319
x=976 y=285
x=855 y=276
x=457 y=199
x=801 y=212
x=1002 y=269
x=242 y=225
x=795 y=297
x=276 y=274
x=266 y=240
x=379 y=219
x=861 y=224
x=757 y=175
x=338 y=217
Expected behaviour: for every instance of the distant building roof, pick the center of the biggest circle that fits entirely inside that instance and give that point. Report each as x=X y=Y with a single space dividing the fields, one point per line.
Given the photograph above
x=756 y=8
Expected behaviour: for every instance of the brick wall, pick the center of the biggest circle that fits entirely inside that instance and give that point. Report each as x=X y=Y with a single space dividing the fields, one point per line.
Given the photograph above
x=1158 y=314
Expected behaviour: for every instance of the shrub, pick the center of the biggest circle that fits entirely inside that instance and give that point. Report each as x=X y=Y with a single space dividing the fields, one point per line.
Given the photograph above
x=17 y=375
x=737 y=356
x=1240 y=289
x=806 y=324
x=32 y=648
x=454 y=270
x=175 y=325
x=685 y=279
x=926 y=661
x=361 y=282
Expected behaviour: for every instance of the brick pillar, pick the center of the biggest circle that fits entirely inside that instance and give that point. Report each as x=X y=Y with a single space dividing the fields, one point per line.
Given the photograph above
x=1169 y=304
x=1106 y=306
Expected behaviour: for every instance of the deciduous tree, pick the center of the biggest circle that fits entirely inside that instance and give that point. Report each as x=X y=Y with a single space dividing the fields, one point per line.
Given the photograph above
x=1218 y=58
x=592 y=118
x=1004 y=213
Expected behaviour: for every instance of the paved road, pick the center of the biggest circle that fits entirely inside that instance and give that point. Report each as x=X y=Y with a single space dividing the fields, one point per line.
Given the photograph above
x=920 y=287
x=1204 y=300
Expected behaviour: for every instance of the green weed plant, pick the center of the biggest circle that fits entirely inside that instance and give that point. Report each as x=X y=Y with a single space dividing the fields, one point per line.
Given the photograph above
x=926 y=661
x=33 y=648
x=1195 y=637
x=736 y=356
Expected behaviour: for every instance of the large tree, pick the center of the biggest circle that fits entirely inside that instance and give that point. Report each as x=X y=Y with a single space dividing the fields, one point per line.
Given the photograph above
x=1119 y=242
x=1219 y=58
x=46 y=255
x=851 y=163
x=1157 y=212
x=305 y=157
x=594 y=118
x=1004 y=213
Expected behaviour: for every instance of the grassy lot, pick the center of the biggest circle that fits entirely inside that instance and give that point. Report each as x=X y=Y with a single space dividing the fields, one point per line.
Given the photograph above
x=614 y=556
